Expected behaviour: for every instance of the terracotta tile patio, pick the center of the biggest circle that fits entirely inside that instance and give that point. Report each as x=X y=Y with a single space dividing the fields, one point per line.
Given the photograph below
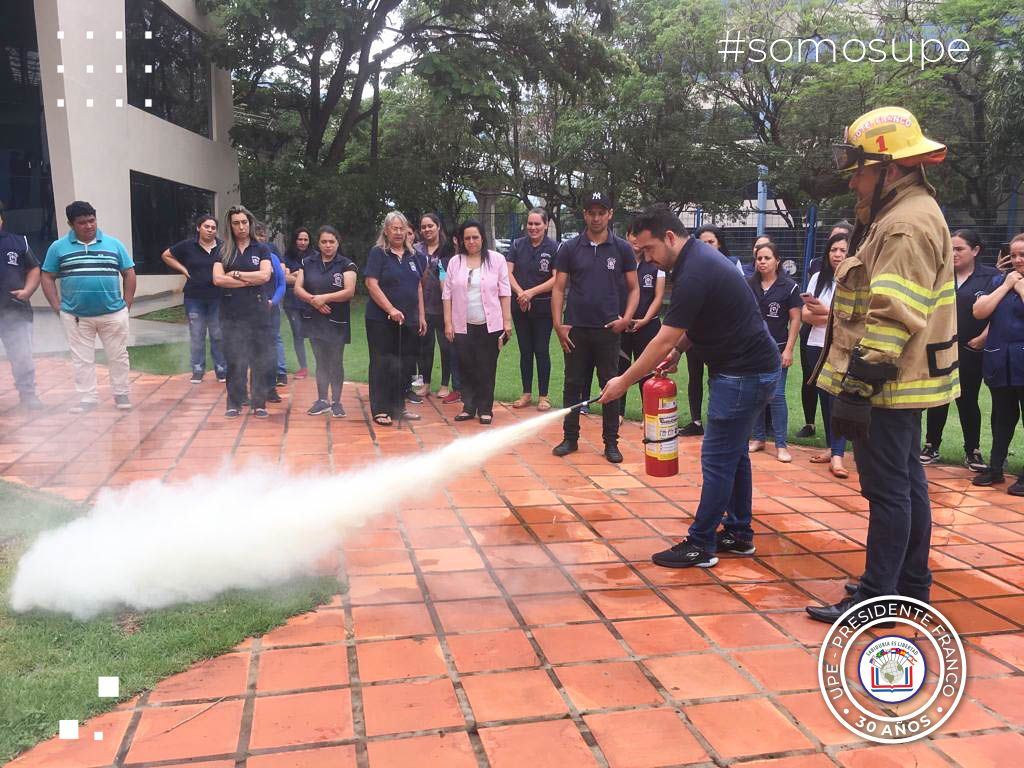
x=514 y=619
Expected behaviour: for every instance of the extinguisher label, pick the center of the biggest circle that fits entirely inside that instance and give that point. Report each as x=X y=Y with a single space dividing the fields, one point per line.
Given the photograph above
x=659 y=427
x=663 y=451
x=667 y=404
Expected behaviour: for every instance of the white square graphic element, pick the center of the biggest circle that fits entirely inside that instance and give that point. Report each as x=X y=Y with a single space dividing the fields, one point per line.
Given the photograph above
x=89 y=69
x=89 y=103
x=68 y=729
x=108 y=687
x=119 y=103
x=60 y=34
x=119 y=35
x=60 y=69
x=90 y=35
x=149 y=69
x=97 y=735
x=149 y=103
x=148 y=35
x=60 y=103
x=119 y=69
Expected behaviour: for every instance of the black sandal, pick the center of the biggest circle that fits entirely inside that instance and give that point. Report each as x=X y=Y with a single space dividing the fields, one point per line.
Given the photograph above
x=382 y=419
x=464 y=416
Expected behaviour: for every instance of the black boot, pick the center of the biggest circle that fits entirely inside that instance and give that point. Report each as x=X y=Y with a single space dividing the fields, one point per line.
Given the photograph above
x=565 y=447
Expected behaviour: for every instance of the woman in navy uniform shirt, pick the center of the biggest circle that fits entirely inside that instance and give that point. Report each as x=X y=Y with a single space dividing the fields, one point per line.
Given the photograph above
x=242 y=273
x=394 y=319
x=531 y=263
x=779 y=300
x=301 y=247
x=972 y=281
x=326 y=284
x=435 y=251
x=194 y=258
x=1002 y=361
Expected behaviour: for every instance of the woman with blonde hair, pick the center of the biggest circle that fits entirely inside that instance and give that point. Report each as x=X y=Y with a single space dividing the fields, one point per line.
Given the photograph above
x=394 y=319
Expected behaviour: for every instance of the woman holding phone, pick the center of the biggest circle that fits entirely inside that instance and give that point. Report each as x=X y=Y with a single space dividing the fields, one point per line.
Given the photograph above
x=817 y=301
x=477 y=299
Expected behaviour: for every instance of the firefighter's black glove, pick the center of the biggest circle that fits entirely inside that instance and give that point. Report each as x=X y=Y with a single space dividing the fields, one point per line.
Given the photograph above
x=865 y=379
x=851 y=417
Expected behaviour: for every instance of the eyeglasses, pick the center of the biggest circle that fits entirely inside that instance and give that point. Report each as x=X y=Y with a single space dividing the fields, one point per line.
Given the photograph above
x=847 y=157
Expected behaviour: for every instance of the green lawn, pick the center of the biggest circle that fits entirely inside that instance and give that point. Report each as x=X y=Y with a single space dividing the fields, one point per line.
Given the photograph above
x=173 y=358
x=49 y=664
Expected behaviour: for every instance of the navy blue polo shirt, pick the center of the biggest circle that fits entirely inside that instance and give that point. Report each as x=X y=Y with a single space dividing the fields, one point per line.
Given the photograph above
x=775 y=303
x=399 y=279
x=533 y=266
x=249 y=301
x=595 y=272
x=967 y=292
x=16 y=260
x=199 y=264
x=647 y=274
x=293 y=260
x=319 y=277
x=712 y=302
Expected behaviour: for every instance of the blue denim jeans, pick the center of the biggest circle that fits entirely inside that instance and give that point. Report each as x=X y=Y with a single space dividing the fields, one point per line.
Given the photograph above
x=275 y=329
x=16 y=336
x=203 y=318
x=836 y=444
x=734 y=402
x=780 y=415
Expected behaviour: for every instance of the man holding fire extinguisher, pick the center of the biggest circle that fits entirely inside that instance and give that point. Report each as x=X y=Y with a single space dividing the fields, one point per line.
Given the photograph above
x=712 y=311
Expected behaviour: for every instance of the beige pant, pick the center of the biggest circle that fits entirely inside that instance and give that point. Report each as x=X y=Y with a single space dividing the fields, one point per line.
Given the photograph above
x=113 y=332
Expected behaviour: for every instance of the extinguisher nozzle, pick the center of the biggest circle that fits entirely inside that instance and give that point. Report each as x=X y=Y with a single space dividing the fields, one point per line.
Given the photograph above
x=589 y=402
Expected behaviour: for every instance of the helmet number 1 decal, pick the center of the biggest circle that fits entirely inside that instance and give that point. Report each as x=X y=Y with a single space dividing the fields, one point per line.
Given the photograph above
x=880 y=140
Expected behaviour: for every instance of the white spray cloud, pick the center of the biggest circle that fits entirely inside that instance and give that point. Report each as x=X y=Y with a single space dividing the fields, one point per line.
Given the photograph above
x=151 y=545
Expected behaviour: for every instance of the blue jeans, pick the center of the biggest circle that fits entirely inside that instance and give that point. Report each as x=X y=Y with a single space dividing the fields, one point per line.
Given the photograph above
x=734 y=402
x=203 y=318
x=836 y=444
x=780 y=414
x=294 y=315
x=275 y=328
x=16 y=335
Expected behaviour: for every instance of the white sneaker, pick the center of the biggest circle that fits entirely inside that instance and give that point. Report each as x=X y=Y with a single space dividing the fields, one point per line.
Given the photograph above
x=122 y=403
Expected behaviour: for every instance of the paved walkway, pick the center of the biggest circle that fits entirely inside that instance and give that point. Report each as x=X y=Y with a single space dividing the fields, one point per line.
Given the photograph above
x=514 y=619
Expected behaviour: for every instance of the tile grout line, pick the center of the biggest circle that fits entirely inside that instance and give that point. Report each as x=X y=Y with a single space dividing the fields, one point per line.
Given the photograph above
x=249 y=706
x=129 y=734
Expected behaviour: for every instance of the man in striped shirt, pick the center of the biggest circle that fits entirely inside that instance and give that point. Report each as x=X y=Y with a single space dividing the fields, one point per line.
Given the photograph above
x=91 y=302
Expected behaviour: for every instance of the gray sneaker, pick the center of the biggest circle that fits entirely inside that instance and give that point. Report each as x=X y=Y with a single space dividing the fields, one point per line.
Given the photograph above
x=122 y=402
x=83 y=406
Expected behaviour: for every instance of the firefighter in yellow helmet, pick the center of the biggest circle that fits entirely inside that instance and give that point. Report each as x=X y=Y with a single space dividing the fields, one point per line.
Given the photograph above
x=890 y=345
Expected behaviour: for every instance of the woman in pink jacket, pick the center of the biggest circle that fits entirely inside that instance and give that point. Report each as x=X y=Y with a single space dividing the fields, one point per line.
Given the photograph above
x=477 y=317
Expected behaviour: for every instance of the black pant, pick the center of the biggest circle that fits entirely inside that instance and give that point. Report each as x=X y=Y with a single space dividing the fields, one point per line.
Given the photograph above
x=478 y=362
x=900 y=516
x=593 y=348
x=330 y=367
x=425 y=362
x=632 y=345
x=247 y=349
x=695 y=385
x=1007 y=410
x=966 y=405
x=534 y=336
x=808 y=392
x=393 y=350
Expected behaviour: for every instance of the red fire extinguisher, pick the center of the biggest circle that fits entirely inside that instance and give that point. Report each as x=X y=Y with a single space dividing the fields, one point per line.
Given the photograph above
x=661 y=425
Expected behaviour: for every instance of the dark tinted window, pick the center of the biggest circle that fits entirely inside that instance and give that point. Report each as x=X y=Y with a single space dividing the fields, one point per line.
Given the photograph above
x=25 y=185
x=163 y=212
x=178 y=87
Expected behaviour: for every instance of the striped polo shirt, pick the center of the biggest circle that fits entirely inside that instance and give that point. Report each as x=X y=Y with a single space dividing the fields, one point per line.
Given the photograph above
x=90 y=275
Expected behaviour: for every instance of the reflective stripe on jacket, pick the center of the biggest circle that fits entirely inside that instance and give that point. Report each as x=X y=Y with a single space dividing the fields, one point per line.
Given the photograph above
x=895 y=298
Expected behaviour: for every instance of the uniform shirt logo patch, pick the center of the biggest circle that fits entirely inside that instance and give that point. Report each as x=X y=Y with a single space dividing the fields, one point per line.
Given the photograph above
x=255 y=260
x=545 y=263
x=412 y=266
x=12 y=257
x=773 y=309
x=338 y=280
x=611 y=262
x=648 y=281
